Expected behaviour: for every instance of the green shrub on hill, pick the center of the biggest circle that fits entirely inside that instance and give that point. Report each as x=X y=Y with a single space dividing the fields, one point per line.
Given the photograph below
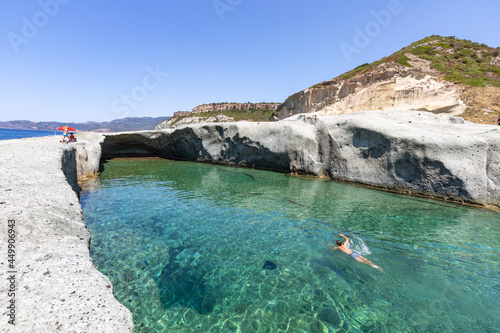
x=443 y=45
x=424 y=50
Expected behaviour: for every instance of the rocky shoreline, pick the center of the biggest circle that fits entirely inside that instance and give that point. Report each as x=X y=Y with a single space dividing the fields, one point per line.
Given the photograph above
x=413 y=152
x=57 y=285
x=58 y=288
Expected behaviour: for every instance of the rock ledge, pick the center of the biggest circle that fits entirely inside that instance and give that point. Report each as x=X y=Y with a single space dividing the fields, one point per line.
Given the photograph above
x=415 y=152
x=57 y=285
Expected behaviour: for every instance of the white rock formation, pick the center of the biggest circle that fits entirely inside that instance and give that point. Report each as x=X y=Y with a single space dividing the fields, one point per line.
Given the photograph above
x=57 y=287
x=409 y=151
x=88 y=154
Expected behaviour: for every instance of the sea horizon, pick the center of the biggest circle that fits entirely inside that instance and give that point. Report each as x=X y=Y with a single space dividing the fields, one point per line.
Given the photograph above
x=8 y=134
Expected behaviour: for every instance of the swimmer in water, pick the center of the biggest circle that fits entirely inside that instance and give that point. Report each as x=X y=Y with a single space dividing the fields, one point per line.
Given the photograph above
x=356 y=256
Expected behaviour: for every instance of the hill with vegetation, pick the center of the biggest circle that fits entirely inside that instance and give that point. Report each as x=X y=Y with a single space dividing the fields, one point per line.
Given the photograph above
x=117 y=125
x=463 y=76
x=458 y=60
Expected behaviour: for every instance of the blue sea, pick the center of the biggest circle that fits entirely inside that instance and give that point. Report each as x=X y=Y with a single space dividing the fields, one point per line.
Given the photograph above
x=7 y=134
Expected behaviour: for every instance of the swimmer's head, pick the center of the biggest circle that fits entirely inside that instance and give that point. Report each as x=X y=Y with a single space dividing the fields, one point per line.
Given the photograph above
x=339 y=243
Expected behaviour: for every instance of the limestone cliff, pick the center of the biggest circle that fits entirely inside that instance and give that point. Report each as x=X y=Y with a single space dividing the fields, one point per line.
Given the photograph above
x=436 y=74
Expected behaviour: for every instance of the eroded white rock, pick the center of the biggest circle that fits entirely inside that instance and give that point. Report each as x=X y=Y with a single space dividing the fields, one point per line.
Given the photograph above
x=411 y=151
x=58 y=287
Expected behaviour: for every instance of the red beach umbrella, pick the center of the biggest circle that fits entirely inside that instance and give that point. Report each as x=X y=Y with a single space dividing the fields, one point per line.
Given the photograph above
x=62 y=128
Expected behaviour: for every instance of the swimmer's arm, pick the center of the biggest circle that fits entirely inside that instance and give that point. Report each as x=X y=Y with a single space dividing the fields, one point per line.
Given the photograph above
x=333 y=248
x=346 y=239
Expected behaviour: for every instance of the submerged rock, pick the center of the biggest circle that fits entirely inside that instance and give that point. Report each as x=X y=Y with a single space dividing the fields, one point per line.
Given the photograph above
x=269 y=265
x=184 y=284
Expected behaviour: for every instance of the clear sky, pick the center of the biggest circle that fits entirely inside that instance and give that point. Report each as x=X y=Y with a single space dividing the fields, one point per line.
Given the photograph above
x=97 y=60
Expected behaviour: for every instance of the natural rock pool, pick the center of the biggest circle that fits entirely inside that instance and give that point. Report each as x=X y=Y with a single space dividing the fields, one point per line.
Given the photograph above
x=195 y=247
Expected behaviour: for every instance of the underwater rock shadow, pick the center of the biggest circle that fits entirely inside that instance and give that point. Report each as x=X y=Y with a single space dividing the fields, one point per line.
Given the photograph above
x=185 y=285
x=269 y=265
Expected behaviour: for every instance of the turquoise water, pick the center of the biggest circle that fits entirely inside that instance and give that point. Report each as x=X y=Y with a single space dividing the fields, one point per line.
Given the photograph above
x=184 y=245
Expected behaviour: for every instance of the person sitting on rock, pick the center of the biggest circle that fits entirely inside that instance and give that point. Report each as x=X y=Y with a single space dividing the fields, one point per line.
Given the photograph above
x=72 y=138
x=356 y=256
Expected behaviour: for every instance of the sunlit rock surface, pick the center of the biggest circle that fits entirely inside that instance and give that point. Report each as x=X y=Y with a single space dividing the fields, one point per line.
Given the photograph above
x=410 y=151
x=388 y=86
x=58 y=288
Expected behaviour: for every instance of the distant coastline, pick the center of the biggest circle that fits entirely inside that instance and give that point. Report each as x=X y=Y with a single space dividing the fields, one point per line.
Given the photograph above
x=117 y=125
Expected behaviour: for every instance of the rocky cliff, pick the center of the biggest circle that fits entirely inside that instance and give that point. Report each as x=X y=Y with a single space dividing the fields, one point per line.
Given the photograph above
x=406 y=151
x=221 y=113
x=437 y=74
x=386 y=87
x=234 y=106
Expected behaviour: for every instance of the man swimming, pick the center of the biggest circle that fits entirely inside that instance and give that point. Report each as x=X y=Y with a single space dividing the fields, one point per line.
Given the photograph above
x=358 y=257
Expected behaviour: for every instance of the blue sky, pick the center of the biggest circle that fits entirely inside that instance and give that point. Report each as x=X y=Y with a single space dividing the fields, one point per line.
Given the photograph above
x=97 y=60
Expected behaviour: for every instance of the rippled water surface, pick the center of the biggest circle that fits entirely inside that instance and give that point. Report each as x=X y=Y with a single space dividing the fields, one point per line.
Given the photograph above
x=185 y=245
x=7 y=134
